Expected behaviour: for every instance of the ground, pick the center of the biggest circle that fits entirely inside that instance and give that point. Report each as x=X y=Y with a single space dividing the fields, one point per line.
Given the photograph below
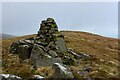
x=103 y=51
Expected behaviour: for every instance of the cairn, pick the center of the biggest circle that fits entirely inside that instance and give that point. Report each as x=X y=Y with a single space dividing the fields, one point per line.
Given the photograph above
x=47 y=48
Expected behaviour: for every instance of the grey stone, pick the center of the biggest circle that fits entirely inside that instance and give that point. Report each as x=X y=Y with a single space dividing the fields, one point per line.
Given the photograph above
x=36 y=51
x=46 y=49
x=53 y=53
x=84 y=55
x=38 y=77
x=21 y=42
x=41 y=58
x=42 y=43
x=24 y=51
x=61 y=71
x=69 y=60
x=29 y=41
x=77 y=56
x=61 y=44
x=47 y=61
x=13 y=48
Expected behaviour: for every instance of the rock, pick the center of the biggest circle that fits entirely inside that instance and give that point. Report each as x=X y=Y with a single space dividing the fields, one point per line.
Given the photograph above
x=77 y=56
x=41 y=58
x=38 y=77
x=22 y=47
x=46 y=61
x=9 y=77
x=69 y=59
x=61 y=44
x=82 y=73
x=24 y=51
x=84 y=55
x=42 y=43
x=61 y=71
x=46 y=49
x=14 y=47
x=53 y=53
x=29 y=41
x=36 y=52
x=50 y=20
x=87 y=68
x=85 y=71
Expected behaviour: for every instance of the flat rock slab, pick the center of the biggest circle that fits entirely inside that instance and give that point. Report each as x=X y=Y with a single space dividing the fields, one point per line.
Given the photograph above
x=61 y=44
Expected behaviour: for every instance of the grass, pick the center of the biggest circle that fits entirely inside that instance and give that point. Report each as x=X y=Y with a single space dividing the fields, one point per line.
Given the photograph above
x=103 y=52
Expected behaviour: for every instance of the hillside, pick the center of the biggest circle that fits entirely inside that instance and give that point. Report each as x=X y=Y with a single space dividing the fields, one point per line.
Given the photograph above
x=103 y=52
x=3 y=36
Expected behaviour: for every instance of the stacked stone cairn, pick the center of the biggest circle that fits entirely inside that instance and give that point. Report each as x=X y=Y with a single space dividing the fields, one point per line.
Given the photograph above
x=46 y=49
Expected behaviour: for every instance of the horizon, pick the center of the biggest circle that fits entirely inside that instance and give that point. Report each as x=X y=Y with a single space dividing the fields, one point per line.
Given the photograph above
x=93 y=17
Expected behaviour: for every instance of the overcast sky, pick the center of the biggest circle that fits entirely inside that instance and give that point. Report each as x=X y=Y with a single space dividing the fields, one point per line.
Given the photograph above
x=94 y=17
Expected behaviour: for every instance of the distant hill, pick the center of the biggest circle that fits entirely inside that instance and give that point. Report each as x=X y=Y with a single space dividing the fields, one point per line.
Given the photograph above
x=4 y=36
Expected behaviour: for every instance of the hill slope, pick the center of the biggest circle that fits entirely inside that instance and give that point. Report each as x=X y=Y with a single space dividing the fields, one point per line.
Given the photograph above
x=103 y=52
x=3 y=36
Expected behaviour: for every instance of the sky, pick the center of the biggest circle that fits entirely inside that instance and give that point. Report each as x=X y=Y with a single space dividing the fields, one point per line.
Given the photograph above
x=23 y=18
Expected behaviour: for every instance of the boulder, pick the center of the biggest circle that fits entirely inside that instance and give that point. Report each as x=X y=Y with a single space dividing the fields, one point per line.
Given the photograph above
x=22 y=47
x=24 y=51
x=41 y=58
x=61 y=71
x=61 y=44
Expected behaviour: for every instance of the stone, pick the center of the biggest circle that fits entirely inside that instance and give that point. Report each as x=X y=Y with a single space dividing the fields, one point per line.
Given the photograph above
x=53 y=53
x=41 y=58
x=9 y=77
x=14 y=47
x=47 y=61
x=69 y=60
x=36 y=51
x=24 y=51
x=61 y=71
x=77 y=56
x=84 y=55
x=46 y=49
x=50 y=20
x=38 y=77
x=61 y=44
x=87 y=68
x=29 y=41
